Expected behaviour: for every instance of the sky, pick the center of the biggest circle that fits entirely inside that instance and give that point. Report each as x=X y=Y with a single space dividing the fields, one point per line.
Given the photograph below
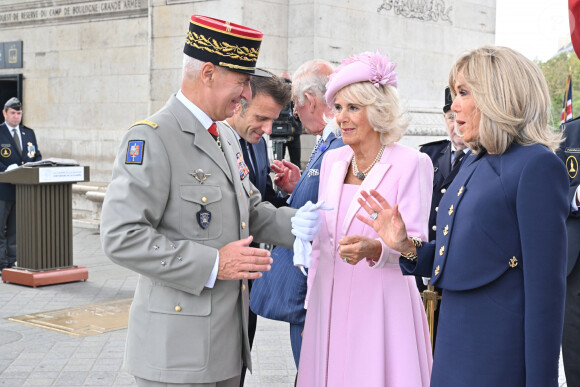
x=536 y=28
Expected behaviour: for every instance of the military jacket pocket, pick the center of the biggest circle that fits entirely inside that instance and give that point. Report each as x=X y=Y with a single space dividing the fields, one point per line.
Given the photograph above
x=181 y=322
x=164 y=299
x=201 y=211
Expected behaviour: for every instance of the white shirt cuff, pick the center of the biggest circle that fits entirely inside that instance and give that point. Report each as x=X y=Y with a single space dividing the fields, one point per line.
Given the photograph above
x=213 y=276
x=574 y=206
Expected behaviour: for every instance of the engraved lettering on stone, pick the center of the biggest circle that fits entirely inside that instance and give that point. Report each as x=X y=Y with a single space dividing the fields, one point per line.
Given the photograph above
x=426 y=10
x=74 y=10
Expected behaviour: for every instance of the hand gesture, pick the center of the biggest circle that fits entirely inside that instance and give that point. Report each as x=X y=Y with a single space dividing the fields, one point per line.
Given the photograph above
x=287 y=175
x=385 y=220
x=239 y=261
x=354 y=248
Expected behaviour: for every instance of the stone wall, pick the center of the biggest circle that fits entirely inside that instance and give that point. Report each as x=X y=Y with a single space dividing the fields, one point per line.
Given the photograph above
x=92 y=68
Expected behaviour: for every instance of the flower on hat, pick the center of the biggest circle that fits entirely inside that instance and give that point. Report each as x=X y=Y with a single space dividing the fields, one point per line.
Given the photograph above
x=381 y=70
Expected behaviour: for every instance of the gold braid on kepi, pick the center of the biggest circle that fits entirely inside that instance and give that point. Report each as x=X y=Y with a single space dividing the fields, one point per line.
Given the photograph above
x=224 y=44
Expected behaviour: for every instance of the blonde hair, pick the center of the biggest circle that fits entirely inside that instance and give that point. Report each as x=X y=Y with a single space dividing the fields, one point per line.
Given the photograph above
x=511 y=93
x=382 y=106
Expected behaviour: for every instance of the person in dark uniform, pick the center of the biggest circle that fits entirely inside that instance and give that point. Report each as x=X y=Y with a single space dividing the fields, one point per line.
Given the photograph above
x=250 y=121
x=446 y=156
x=17 y=146
x=569 y=152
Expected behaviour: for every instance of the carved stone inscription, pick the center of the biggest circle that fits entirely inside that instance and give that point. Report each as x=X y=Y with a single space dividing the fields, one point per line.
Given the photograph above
x=68 y=12
x=427 y=10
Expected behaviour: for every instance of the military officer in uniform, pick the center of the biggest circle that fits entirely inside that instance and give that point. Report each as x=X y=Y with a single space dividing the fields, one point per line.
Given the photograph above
x=569 y=152
x=17 y=147
x=446 y=156
x=181 y=212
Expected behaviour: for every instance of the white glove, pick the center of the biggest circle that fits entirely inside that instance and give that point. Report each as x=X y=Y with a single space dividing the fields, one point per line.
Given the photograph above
x=305 y=226
x=302 y=255
x=426 y=280
x=11 y=167
x=306 y=222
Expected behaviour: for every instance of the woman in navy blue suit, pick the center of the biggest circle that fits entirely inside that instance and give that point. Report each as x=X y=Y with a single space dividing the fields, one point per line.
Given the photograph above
x=500 y=250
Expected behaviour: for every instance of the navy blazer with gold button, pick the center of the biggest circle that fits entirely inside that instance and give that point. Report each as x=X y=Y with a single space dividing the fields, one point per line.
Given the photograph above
x=500 y=258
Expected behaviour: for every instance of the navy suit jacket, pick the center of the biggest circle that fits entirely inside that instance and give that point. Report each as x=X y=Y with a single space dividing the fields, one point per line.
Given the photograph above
x=500 y=258
x=279 y=294
x=569 y=152
x=9 y=155
x=263 y=181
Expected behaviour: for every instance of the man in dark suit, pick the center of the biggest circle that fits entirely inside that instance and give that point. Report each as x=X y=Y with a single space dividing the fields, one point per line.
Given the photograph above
x=446 y=156
x=17 y=146
x=280 y=293
x=569 y=152
x=250 y=121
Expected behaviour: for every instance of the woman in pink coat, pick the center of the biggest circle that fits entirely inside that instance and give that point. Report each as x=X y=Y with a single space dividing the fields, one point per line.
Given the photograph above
x=365 y=322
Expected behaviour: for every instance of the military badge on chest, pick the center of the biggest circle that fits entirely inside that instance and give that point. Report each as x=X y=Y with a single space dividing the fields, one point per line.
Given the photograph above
x=244 y=170
x=203 y=216
x=31 y=149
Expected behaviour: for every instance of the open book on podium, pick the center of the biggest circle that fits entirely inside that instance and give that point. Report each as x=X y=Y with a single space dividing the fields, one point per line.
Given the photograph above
x=44 y=222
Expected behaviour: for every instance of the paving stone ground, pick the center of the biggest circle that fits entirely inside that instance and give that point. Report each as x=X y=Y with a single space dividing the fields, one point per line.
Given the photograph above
x=32 y=356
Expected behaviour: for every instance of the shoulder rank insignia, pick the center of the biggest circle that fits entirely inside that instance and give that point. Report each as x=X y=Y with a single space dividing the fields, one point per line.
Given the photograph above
x=244 y=171
x=135 y=151
x=145 y=122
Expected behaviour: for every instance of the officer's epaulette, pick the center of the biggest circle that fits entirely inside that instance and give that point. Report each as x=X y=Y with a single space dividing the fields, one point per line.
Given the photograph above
x=435 y=142
x=145 y=122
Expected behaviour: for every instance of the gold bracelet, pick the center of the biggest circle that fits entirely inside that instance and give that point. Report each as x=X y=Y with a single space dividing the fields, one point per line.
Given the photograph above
x=410 y=255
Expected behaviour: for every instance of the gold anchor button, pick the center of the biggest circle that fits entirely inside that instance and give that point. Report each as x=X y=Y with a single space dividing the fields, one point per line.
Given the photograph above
x=441 y=250
x=177 y=308
x=460 y=191
x=437 y=270
x=450 y=210
x=513 y=262
x=446 y=230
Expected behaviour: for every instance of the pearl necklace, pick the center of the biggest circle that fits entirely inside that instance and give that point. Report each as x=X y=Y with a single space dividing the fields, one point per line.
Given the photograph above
x=363 y=174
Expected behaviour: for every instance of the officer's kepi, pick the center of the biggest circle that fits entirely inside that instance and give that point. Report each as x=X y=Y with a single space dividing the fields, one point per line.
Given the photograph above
x=229 y=45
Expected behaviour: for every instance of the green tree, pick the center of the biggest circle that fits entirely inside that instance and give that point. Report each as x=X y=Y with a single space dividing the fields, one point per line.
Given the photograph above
x=556 y=71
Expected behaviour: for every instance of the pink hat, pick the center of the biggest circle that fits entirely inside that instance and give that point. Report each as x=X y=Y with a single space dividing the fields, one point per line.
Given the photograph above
x=367 y=66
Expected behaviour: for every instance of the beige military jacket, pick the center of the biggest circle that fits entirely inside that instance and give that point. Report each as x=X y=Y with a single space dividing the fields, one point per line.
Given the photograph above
x=167 y=170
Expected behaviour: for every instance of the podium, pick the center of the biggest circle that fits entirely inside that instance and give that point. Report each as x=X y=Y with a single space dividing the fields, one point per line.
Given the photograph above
x=44 y=225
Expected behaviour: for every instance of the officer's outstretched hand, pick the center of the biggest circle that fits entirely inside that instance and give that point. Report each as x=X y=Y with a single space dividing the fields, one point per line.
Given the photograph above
x=239 y=261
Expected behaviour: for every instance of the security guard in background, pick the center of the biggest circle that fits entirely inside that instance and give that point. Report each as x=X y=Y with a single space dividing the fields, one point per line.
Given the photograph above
x=17 y=147
x=569 y=152
x=446 y=156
